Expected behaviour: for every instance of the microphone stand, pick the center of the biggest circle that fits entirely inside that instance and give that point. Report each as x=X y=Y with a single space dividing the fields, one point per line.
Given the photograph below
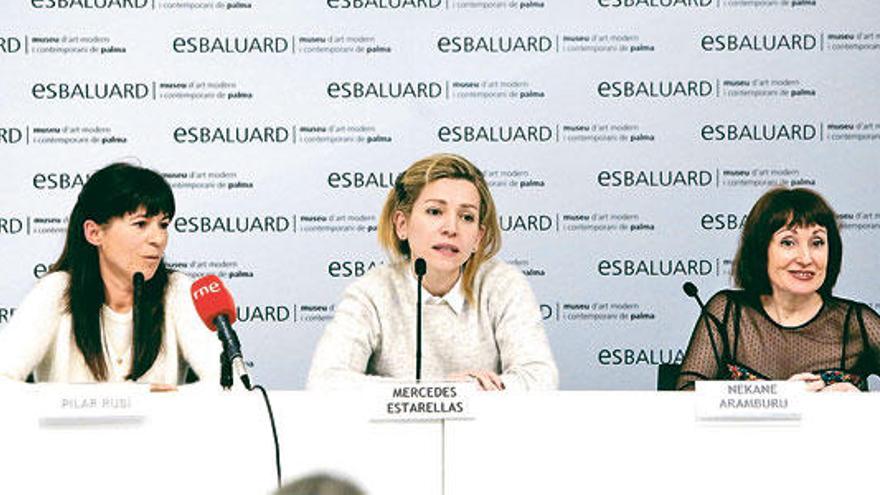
x=421 y=268
x=419 y=333
x=225 y=372
x=137 y=282
x=708 y=318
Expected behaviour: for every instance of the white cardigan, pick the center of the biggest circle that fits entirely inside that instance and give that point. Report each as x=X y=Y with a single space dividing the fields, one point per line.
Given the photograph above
x=39 y=338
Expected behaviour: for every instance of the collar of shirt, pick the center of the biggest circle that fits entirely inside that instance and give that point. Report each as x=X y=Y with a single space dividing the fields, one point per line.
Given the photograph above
x=454 y=298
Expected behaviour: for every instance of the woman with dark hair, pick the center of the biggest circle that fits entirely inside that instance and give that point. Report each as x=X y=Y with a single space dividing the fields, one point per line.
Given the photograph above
x=481 y=319
x=785 y=323
x=77 y=325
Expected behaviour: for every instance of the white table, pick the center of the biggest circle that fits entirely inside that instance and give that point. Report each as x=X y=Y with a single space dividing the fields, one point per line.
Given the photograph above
x=540 y=443
x=651 y=443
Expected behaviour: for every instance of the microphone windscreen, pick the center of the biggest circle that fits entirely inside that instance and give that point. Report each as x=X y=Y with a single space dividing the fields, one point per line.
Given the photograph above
x=212 y=300
x=421 y=266
x=689 y=289
x=138 y=279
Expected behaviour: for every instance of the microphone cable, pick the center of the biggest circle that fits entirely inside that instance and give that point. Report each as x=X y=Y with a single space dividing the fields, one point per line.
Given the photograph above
x=274 y=431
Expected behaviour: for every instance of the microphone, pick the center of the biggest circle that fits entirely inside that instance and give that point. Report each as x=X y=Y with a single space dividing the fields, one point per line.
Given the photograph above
x=421 y=268
x=692 y=292
x=137 y=313
x=137 y=282
x=217 y=310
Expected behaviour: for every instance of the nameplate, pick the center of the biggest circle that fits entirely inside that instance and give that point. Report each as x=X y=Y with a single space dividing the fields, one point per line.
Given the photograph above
x=749 y=400
x=423 y=401
x=91 y=404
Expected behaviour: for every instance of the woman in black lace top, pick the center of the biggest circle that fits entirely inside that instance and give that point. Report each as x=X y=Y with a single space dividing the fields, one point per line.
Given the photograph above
x=784 y=323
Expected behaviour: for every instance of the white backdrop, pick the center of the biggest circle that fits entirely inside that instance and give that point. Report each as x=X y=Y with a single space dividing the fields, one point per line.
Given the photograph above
x=624 y=141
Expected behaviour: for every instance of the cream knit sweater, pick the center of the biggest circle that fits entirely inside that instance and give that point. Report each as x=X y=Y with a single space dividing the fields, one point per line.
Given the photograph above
x=372 y=334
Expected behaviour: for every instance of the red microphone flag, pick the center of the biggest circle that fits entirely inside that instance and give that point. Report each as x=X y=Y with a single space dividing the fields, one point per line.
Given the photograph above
x=212 y=300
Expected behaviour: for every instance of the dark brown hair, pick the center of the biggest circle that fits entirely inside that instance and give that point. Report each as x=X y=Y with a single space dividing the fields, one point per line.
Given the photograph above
x=777 y=208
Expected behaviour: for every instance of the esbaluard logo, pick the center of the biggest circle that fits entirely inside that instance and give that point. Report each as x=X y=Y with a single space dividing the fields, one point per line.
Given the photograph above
x=58 y=180
x=350 y=268
x=655 y=89
x=758 y=42
x=231 y=44
x=495 y=134
x=758 y=132
x=527 y=223
x=654 y=178
x=232 y=135
x=655 y=3
x=89 y=4
x=10 y=44
x=232 y=225
x=90 y=91
x=385 y=90
x=654 y=267
x=722 y=221
x=11 y=135
x=495 y=44
x=383 y=4
x=360 y=180
x=635 y=357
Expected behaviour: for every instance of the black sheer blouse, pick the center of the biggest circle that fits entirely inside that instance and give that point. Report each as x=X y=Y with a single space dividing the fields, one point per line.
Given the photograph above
x=741 y=342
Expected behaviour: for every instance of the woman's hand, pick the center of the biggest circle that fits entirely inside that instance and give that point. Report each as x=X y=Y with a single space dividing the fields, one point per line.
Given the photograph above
x=814 y=382
x=841 y=387
x=486 y=379
x=162 y=387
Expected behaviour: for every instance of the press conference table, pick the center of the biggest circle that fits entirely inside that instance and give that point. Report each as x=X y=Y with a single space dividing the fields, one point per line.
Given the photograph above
x=196 y=441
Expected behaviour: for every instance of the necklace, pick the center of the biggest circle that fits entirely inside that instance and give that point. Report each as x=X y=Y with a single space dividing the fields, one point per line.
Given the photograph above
x=110 y=351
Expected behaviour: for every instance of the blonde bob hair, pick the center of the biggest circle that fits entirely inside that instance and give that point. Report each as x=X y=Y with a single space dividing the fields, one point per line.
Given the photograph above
x=407 y=188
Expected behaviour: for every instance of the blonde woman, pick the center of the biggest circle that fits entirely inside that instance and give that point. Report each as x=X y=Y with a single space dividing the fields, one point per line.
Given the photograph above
x=481 y=321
